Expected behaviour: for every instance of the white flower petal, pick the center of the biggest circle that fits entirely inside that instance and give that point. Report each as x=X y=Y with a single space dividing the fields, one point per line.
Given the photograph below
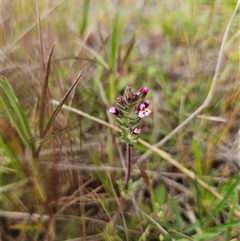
x=147 y=112
x=112 y=110
x=141 y=114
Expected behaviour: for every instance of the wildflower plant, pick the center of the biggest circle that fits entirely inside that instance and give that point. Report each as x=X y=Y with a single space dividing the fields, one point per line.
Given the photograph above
x=129 y=110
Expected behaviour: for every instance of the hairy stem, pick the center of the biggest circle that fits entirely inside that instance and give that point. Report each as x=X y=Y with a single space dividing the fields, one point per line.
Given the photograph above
x=127 y=175
x=129 y=161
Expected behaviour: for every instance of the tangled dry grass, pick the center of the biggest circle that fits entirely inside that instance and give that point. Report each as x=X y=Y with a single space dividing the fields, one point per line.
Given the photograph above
x=63 y=185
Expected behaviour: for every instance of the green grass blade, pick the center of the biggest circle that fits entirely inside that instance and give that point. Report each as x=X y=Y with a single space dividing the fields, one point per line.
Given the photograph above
x=198 y=201
x=221 y=204
x=85 y=13
x=197 y=155
x=14 y=111
x=115 y=39
x=214 y=231
x=177 y=213
x=129 y=49
x=232 y=224
x=205 y=235
x=231 y=215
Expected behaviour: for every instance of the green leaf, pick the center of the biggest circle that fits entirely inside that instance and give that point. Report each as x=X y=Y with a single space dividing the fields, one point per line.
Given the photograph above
x=131 y=186
x=160 y=194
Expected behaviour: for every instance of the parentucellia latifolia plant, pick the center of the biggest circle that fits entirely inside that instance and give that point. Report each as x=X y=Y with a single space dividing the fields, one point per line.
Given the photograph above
x=130 y=109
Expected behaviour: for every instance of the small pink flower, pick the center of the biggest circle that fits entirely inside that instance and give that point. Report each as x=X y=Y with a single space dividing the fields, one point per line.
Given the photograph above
x=113 y=110
x=137 y=130
x=144 y=112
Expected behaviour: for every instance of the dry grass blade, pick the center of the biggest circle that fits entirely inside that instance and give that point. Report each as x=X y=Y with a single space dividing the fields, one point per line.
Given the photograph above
x=61 y=103
x=40 y=34
x=144 y=175
x=44 y=93
x=129 y=49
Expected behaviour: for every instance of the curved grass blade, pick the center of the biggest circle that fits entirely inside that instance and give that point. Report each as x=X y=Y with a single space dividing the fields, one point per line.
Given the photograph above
x=57 y=132
x=55 y=113
x=44 y=93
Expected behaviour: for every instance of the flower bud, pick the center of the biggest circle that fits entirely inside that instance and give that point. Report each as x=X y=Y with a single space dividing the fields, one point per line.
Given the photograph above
x=144 y=90
x=130 y=96
x=120 y=100
x=136 y=130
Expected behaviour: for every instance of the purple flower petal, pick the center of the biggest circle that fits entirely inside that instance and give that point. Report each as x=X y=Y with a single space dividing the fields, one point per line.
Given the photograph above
x=147 y=103
x=141 y=107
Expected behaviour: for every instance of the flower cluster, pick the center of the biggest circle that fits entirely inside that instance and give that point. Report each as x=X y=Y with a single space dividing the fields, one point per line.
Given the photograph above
x=129 y=110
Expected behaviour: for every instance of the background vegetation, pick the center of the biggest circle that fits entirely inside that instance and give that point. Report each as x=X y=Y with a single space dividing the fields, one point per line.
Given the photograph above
x=60 y=167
